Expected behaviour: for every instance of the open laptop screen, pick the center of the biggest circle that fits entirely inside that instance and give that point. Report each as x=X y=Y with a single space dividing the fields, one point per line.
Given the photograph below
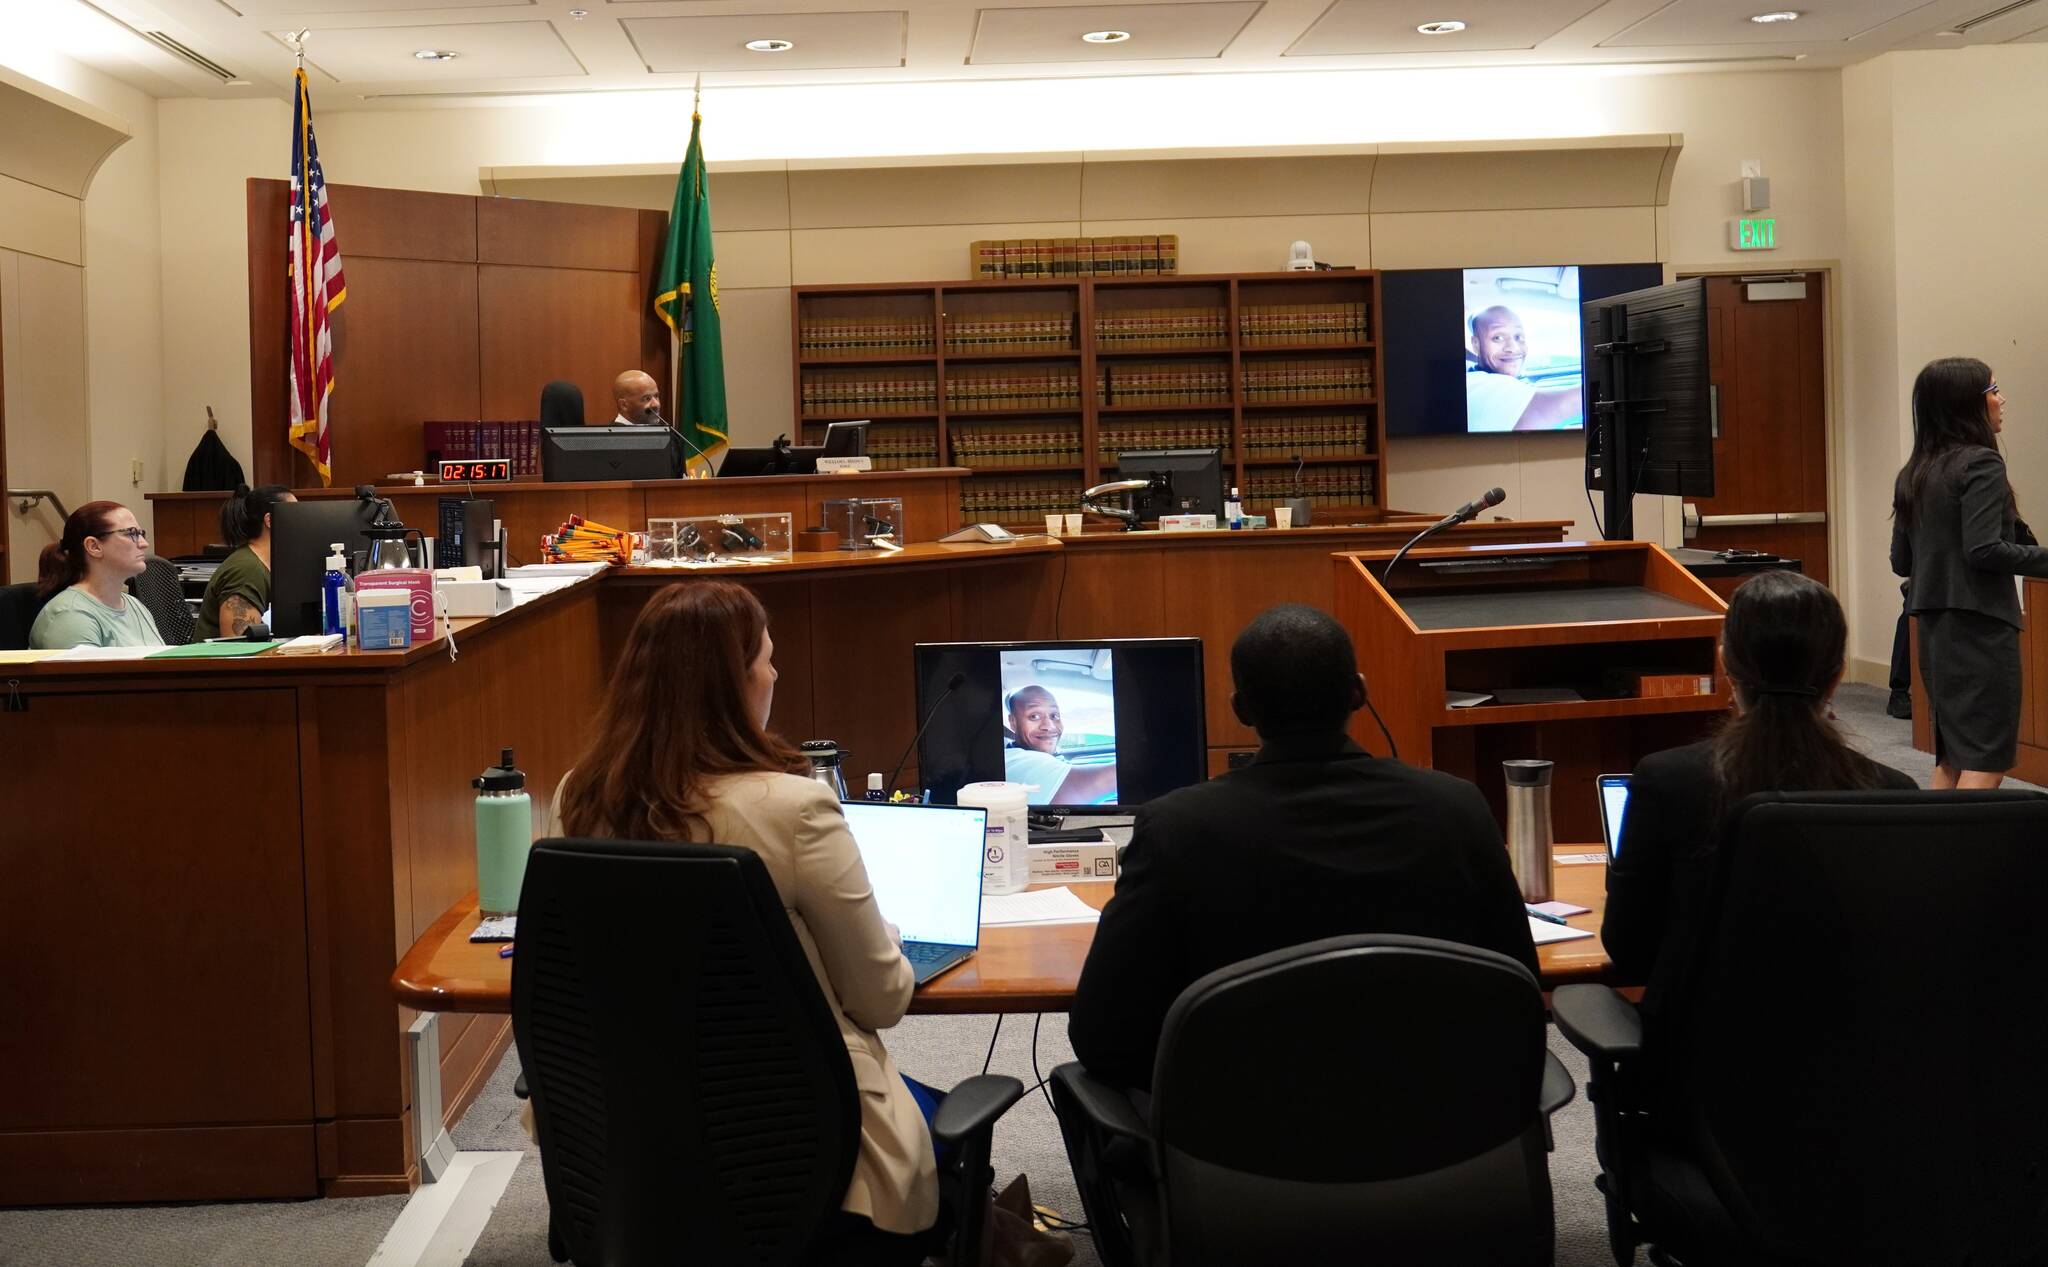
x=924 y=862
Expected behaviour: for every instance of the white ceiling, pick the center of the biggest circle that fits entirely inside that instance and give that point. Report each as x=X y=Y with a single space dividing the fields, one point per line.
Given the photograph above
x=364 y=48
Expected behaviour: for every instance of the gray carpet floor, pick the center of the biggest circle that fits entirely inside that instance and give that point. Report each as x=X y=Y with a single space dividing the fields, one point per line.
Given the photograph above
x=937 y=1050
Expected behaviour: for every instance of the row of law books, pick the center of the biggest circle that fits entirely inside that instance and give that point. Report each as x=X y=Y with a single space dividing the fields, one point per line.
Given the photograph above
x=899 y=446
x=1037 y=259
x=1010 y=332
x=1162 y=383
x=1207 y=433
x=1016 y=446
x=1340 y=435
x=1323 y=485
x=1161 y=329
x=470 y=441
x=1027 y=499
x=857 y=392
x=822 y=338
x=970 y=391
x=1306 y=380
x=1288 y=324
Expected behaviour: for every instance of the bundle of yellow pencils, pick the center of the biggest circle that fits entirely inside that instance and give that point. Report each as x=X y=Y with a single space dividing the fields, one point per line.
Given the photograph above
x=582 y=541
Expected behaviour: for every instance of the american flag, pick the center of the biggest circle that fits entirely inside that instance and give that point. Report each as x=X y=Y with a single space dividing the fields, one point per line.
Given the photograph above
x=317 y=290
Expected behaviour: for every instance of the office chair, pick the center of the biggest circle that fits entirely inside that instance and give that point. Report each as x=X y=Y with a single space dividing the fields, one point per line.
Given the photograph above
x=1374 y=1098
x=159 y=590
x=18 y=608
x=1847 y=1068
x=561 y=405
x=691 y=1091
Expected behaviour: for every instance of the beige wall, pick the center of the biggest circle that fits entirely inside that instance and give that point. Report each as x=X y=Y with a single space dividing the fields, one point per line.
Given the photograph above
x=1946 y=185
x=42 y=319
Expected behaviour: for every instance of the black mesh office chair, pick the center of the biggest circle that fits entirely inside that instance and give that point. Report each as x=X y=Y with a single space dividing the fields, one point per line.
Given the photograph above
x=158 y=588
x=1849 y=1068
x=690 y=1087
x=1366 y=1099
x=18 y=608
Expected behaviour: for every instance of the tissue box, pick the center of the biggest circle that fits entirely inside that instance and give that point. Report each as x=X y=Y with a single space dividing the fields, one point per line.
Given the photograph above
x=1186 y=523
x=416 y=584
x=384 y=619
x=1064 y=864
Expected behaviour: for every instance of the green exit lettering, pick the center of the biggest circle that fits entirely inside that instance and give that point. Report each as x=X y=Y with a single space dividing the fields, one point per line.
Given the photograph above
x=1753 y=234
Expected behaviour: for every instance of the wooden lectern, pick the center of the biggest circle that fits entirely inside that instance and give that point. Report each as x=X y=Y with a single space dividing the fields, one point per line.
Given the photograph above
x=1591 y=655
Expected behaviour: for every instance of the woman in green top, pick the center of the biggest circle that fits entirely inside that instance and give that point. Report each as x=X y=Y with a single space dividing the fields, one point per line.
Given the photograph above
x=239 y=592
x=81 y=583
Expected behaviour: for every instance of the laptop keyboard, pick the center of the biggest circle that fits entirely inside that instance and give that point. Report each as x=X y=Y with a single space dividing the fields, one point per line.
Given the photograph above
x=920 y=952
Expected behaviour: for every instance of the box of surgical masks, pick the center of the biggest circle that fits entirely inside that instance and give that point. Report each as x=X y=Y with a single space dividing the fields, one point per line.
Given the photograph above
x=384 y=620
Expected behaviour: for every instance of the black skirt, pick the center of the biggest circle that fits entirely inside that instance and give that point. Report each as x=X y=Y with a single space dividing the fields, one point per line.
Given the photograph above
x=1971 y=665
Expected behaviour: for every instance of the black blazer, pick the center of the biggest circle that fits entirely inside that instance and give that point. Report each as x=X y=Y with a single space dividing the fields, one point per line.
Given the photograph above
x=1316 y=838
x=1658 y=884
x=1965 y=543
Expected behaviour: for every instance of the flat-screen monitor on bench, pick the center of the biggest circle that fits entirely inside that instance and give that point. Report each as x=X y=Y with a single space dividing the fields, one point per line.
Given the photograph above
x=300 y=536
x=1190 y=481
x=607 y=453
x=842 y=440
x=1095 y=727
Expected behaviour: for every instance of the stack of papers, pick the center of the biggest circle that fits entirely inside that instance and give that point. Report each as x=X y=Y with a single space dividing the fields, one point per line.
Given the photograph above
x=107 y=653
x=1039 y=906
x=1543 y=932
x=310 y=644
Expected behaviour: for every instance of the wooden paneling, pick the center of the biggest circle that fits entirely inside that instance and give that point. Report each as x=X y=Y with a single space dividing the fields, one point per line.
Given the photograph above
x=408 y=334
x=401 y=224
x=540 y=324
x=271 y=455
x=557 y=235
x=202 y=1163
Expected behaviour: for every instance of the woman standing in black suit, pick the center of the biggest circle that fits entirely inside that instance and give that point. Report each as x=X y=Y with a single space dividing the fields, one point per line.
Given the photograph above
x=1957 y=534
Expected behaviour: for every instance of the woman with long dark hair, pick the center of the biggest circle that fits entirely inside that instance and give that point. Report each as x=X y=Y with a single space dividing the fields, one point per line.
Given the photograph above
x=681 y=750
x=239 y=592
x=81 y=583
x=1782 y=646
x=1958 y=538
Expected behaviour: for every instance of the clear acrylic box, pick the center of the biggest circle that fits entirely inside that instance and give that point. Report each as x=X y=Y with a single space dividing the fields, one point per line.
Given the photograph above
x=715 y=540
x=858 y=520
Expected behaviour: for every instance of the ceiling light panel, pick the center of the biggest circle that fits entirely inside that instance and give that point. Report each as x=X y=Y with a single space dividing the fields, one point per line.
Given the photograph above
x=824 y=41
x=1158 y=31
x=307 y=13
x=485 y=50
x=1366 y=28
x=1728 y=22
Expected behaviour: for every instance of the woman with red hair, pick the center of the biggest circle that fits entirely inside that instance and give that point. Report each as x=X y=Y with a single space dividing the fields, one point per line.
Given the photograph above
x=82 y=579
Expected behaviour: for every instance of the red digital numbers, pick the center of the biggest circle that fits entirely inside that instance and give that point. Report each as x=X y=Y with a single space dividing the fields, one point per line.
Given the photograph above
x=471 y=472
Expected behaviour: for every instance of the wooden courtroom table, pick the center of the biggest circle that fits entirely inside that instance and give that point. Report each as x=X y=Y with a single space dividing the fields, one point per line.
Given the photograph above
x=1026 y=968
x=229 y=856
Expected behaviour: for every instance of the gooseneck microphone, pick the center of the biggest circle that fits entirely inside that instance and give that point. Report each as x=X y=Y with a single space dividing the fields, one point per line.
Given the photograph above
x=1463 y=514
x=682 y=463
x=953 y=684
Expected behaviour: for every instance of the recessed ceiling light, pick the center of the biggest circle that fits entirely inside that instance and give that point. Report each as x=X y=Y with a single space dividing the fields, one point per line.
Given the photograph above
x=1449 y=27
x=1952 y=34
x=236 y=83
x=1105 y=37
x=769 y=46
x=579 y=14
x=1782 y=15
x=436 y=55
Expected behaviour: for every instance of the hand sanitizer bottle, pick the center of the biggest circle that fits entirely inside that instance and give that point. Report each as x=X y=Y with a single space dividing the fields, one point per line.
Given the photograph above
x=333 y=585
x=1233 y=511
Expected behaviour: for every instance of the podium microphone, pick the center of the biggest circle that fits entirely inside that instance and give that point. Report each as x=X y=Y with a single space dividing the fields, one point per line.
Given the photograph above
x=1463 y=514
x=953 y=684
x=684 y=463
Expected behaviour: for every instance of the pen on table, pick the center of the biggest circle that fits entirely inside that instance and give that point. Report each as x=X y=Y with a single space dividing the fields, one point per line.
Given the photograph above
x=1545 y=916
x=505 y=951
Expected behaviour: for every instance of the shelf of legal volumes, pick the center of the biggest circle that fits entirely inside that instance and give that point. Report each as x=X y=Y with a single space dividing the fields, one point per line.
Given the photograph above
x=1036 y=385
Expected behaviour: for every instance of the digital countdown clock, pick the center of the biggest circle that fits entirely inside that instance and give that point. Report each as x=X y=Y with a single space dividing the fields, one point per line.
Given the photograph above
x=477 y=471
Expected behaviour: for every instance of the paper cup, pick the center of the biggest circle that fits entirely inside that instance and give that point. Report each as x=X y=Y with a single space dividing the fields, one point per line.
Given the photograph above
x=1052 y=525
x=1073 y=524
x=1283 y=516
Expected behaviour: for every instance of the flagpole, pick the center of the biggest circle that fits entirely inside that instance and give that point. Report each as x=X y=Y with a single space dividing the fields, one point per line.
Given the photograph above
x=675 y=334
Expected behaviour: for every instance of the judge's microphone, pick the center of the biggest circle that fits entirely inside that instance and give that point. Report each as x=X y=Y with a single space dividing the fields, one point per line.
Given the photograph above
x=654 y=416
x=1463 y=514
x=953 y=684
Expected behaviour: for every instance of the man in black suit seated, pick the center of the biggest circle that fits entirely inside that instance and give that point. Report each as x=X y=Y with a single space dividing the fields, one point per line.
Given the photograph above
x=1316 y=838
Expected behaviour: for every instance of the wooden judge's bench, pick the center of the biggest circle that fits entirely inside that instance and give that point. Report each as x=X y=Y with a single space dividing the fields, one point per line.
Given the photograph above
x=222 y=861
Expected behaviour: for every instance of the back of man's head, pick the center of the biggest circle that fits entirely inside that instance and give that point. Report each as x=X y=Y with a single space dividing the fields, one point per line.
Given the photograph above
x=1295 y=673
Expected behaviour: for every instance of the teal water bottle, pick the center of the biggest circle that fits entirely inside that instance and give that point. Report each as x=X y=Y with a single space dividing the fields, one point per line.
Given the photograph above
x=504 y=836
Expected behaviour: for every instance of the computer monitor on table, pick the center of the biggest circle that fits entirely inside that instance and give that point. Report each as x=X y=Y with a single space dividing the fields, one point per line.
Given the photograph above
x=1099 y=726
x=1192 y=481
x=607 y=453
x=842 y=440
x=301 y=534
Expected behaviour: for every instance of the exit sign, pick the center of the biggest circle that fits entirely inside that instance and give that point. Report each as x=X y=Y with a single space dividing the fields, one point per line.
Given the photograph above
x=1753 y=233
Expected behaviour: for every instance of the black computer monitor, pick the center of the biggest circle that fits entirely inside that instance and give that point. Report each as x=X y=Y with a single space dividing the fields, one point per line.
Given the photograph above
x=1193 y=478
x=480 y=536
x=301 y=533
x=1107 y=724
x=768 y=461
x=1649 y=413
x=607 y=453
x=845 y=440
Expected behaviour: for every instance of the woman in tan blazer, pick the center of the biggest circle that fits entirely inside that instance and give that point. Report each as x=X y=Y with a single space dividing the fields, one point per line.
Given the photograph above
x=682 y=752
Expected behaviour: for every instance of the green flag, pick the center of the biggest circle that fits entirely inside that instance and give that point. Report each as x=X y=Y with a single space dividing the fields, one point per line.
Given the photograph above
x=686 y=298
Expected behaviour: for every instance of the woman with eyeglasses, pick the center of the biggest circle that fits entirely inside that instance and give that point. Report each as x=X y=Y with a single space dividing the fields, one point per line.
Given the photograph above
x=81 y=583
x=1958 y=538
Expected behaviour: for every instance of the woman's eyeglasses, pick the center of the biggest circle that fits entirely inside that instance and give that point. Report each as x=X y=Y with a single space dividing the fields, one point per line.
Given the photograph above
x=1992 y=390
x=137 y=535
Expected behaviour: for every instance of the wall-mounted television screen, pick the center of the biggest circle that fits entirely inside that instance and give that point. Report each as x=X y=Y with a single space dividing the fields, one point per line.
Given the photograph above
x=1482 y=350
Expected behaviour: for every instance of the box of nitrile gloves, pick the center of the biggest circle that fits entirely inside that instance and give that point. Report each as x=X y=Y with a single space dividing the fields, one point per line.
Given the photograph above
x=1088 y=860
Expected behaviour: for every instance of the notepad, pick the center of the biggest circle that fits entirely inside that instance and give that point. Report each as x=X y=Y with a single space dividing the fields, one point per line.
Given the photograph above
x=1039 y=906
x=499 y=929
x=212 y=651
x=1543 y=932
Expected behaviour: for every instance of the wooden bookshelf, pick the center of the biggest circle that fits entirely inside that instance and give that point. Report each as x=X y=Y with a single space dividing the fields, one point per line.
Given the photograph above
x=1035 y=386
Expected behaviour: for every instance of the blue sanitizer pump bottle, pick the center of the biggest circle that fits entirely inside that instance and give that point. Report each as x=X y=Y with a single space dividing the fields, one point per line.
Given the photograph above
x=332 y=586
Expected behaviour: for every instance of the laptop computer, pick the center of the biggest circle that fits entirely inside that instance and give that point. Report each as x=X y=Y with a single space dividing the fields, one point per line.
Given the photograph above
x=1613 y=804
x=924 y=862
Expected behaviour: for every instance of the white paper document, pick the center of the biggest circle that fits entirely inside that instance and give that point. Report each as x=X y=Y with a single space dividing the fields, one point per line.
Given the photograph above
x=107 y=653
x=1543 y=932
x=1040 y=906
